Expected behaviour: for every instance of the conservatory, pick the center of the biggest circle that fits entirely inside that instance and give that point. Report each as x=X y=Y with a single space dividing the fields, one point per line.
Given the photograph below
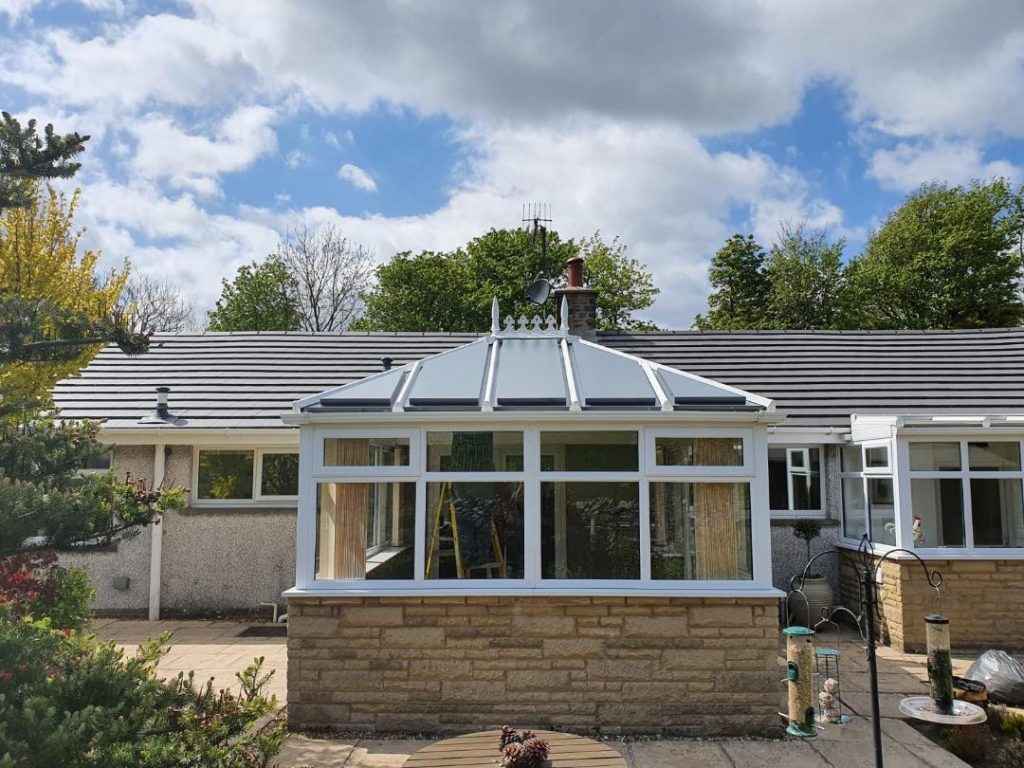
x=533 y=525
x=949 y=489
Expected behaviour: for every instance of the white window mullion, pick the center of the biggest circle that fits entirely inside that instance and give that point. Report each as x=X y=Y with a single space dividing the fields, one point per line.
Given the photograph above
x=420 y=534
x=645 y=511
x=965 y=489
x=531 y=507
x=305 y=519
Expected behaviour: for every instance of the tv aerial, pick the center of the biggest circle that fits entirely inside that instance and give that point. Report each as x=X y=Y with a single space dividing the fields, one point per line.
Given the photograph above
x=537 y=220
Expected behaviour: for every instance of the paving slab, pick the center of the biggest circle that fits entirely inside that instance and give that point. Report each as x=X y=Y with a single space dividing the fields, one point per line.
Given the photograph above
x=772 y=754
x=672 y=754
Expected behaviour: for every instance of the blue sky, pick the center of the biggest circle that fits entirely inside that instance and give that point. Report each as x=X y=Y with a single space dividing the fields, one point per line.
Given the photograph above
x=218 y=125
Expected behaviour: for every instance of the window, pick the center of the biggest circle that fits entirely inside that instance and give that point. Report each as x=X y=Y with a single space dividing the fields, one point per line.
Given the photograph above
x=590 y=451
x=701 y=531
x=366 y=452
x=966 y=494
x=233 y=474
x=590 y=530
x=101 y=462
x=869 y=500
x=365 y=530
x=699 y=451
x=474 y=531
x=541 y=507
x=794 y=480
x=474 y=451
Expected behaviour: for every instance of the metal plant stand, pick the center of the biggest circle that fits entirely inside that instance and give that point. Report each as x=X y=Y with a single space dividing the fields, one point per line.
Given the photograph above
x=867 y=565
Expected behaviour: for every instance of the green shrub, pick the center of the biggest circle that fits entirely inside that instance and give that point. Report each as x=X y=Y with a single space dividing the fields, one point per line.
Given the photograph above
x=1010 y=723
x=32 y=584
x=69 y=700
x=968 y=743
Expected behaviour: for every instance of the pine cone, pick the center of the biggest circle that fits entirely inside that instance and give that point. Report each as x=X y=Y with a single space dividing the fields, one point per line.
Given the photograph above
x=512 y=756
x=535 y=752
x=509 y=735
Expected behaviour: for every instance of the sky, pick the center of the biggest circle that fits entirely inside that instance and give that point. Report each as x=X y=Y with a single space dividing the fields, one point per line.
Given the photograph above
x=219 y=125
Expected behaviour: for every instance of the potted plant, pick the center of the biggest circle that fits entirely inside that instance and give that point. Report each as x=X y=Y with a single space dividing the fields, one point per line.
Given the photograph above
x=808 y=601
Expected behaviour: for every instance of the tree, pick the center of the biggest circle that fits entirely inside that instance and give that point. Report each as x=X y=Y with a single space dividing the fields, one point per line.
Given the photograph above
x=25 y=157
x=55 y=312
x=157 y=304
x=330 y=273
x=948 y=257
x=438 y=291
x=740 y=287
x=260 y=298
x=807 y=281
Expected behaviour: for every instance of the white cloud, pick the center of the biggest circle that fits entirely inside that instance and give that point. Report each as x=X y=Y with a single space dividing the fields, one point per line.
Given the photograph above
x=189 y=161
x=911 y=164
x=357 y=177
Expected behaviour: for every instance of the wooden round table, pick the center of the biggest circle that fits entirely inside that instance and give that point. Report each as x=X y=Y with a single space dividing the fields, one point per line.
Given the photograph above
x=480 y=750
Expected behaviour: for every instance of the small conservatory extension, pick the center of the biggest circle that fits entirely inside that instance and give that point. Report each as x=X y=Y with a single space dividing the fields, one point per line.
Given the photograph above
x=533 y=526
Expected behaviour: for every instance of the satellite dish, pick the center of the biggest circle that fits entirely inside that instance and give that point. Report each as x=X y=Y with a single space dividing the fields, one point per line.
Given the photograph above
x=538 y=291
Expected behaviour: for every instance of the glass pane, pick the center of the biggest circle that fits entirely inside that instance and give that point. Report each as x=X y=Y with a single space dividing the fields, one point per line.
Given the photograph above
x=365 y=530
x=590 y=451
x=699 y=451
x=883 y=510
x=877 y=457
x=994 y=457
x=366 y=452
x=590 y=530
x=280 y=474
x=854 y=508
x=474 y=530
x=997 y=513
x=225 y=475
x=938 y=506
x=935 y=457
x=99 y=462
x=794 y=478
x=853 y=458
x=474 y=451
x=700 y=531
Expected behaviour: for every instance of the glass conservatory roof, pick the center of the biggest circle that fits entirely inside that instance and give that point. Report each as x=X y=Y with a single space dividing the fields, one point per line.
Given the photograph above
x=533 y=364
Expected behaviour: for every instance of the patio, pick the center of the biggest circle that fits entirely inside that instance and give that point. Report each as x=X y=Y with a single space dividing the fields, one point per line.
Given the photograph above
x=214 y=649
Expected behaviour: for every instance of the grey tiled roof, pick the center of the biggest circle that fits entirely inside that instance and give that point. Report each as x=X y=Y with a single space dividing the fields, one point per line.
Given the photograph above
x=815 y=378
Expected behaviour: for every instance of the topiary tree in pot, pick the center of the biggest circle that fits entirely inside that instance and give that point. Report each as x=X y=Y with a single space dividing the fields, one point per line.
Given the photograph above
x=814 y=597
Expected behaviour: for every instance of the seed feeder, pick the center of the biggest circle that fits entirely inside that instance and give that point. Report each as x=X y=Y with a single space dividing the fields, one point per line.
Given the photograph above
x=940 y=706
x=826 y=663
x=800 y=679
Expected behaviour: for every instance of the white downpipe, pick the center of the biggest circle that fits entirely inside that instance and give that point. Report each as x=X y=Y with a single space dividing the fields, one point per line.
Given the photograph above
x=157 y=539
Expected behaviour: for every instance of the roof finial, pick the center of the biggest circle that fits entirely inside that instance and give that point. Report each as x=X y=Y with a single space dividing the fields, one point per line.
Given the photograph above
x=563 y=313
x=495 y=316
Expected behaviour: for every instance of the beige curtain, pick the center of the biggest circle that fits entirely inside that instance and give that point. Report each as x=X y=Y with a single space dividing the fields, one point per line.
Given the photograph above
x=714 y=517
x=344 y=516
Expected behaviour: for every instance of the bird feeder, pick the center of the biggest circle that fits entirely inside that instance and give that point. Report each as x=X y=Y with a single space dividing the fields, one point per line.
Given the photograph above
x=940 y=665
x=800 y=679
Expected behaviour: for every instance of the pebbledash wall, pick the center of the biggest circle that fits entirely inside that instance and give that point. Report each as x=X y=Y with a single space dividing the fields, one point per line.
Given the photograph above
x=214 y=560
x=684 y=666
x=983 y=599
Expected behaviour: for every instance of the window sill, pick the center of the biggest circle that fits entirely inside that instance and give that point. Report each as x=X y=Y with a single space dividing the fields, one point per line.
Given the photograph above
x=939 y=553
x=197 y=508
x=527 y=591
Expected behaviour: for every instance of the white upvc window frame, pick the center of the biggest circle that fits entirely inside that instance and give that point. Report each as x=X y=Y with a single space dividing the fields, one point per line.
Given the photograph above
x=257 y=499
x=964 y=475
x=800 y=514
x=753 y=471
x=865 y=475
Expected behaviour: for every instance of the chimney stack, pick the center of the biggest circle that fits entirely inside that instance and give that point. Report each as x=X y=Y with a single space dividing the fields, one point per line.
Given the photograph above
x=582 y=302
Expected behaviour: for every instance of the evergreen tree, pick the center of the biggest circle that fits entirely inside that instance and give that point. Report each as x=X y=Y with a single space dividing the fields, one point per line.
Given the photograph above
x=261 y=297
x=740 y=287
x=25 y=157
x=948 y=257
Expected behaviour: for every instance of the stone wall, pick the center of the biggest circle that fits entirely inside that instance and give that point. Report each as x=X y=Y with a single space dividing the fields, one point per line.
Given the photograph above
x=984 y=600
x=684 y=666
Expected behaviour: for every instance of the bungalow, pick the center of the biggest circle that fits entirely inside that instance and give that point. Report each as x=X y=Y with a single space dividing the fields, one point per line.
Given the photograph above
x=548 y=523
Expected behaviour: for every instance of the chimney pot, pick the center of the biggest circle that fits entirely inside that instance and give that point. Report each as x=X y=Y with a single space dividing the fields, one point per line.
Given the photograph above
x=574 y=272
x=386 y=363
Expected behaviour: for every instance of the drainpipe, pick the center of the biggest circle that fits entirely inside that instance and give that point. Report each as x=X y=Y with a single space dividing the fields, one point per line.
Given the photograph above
x=157 y=537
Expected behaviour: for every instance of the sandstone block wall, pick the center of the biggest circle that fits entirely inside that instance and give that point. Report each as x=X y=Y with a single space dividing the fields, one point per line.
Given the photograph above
x=984 y=600
x=664 y=665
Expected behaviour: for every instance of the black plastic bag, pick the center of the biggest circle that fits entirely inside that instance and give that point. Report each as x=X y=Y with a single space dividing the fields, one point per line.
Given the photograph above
x=1002 y=675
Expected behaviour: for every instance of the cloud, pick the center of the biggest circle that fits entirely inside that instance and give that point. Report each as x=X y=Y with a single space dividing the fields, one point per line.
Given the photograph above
x=910 y=164
x=357 y=177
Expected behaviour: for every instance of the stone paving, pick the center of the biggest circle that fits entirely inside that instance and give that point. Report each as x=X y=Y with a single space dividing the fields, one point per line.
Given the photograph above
x=213 y=649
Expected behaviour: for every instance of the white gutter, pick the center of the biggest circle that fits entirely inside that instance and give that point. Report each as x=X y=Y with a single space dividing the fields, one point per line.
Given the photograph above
x=157 y=537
